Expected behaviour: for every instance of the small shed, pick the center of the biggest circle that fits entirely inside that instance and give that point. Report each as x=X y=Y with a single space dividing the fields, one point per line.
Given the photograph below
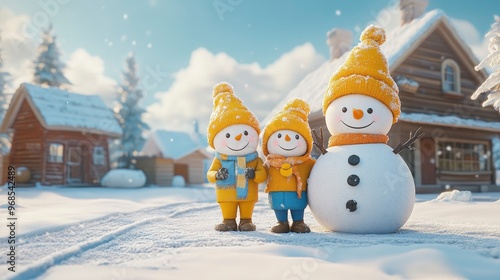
x=61 y=137
x=169 y=153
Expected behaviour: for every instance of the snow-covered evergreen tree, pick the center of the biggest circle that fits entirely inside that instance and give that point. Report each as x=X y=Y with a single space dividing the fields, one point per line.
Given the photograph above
x=48 y=66
x=492 y=84
x=129 y=114
x=4 y=103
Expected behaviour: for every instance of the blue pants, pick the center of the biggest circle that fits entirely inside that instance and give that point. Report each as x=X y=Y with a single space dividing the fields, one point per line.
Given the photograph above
x=282 y=215
x=281 y=202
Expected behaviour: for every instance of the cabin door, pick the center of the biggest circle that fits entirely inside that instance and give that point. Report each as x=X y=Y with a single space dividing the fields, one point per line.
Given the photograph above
x=74 y=165
x=428 y=161
x=183 y=170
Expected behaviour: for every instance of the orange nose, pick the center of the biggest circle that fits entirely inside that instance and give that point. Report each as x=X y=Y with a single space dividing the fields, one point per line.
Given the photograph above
x=238 y=137
x=357 y=113
x=287 y=138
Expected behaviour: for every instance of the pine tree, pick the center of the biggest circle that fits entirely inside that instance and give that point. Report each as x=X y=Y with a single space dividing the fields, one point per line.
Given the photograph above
x=492 y=84
x=48 y=66
x=4 y=80
x=129 y=114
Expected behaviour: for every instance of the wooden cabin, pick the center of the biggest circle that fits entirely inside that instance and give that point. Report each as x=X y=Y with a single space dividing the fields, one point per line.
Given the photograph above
x=169 y=153
x=434 y=70
x=61 y=137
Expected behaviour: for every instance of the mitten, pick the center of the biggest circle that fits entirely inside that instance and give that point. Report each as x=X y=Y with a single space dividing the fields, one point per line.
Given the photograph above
x=222 y=174
x=250 y=173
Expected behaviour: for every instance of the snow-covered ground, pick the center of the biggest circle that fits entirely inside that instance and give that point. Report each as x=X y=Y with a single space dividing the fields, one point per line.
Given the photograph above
x=167 y=233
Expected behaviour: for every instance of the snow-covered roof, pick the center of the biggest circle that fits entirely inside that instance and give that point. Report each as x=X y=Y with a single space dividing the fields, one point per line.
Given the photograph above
x=58 y=109
x=174 y=144
x=453 y=121
x=400 y=41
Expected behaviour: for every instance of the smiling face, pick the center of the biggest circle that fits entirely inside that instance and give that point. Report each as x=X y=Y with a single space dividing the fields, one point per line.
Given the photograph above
x=236 y=140
x=287 y=143
x=358 y=113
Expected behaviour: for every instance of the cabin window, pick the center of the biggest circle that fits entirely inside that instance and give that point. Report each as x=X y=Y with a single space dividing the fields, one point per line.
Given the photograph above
x=56 y=152
x=99 y=155
x=463 y=156
x=450 y=76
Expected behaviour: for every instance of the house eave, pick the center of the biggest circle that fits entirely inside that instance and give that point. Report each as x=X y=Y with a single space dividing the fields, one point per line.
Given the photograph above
x=449 y=121
x=82 y=130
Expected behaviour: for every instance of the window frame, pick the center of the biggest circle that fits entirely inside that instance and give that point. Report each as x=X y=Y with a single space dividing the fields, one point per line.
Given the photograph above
x=456 y=77
x=99 y=159
x=453 y=161
x=54 y=156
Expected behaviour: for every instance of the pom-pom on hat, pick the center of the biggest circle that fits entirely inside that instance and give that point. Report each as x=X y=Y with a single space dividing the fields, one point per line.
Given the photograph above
x=293 y=116
x=228 y=110
x=366 y=71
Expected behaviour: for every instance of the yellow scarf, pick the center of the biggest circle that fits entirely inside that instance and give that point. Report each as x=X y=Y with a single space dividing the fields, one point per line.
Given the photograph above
x=356 y=138
x=287 y=166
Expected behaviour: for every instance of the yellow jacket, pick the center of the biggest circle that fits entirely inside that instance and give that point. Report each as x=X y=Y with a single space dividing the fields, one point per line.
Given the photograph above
x=278 y=183
x=229 y=194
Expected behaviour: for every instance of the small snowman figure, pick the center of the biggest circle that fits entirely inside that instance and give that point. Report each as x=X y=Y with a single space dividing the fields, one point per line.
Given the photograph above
x=287 y=143
x=233 y=131
x=361 y=185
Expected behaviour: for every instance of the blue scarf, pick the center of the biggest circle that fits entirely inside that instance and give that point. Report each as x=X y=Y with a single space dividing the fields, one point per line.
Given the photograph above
x=236 y=166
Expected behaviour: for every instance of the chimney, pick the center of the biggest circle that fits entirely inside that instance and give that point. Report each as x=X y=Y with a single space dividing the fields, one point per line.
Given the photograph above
x=339 y=41
x=411 y=9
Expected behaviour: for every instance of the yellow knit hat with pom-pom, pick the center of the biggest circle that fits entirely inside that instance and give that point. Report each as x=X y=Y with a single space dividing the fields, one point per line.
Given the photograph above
x=366 y=71
x=293 y=116
x=228 y=110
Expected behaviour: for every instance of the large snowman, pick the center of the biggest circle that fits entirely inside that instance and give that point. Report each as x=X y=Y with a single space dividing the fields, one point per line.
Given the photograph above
x=361 y=185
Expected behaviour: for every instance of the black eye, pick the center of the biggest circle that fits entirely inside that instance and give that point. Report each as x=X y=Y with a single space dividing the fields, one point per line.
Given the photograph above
x=246 y=133
x=228 y=135
x=279 y=135
x=370 y=110
x=297 y=137
x=344 y=109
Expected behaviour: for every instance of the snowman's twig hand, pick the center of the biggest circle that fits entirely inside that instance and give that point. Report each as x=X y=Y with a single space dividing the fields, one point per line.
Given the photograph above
x=409 y=143
x=318 y=140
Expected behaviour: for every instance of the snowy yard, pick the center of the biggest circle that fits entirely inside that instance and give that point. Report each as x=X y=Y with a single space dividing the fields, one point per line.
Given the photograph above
x=167 y=233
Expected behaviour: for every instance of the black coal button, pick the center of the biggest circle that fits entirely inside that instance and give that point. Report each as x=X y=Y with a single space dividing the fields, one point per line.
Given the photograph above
x=353 y=160
x=353 y=180
x=351 y=205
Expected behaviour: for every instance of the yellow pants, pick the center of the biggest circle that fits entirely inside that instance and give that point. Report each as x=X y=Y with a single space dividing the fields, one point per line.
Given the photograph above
x=229 y=209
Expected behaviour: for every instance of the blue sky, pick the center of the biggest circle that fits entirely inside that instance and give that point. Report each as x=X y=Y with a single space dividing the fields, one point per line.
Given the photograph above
x=166 y=35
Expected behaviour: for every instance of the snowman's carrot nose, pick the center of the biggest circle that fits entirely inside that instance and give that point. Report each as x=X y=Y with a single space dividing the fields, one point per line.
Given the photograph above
x=357 y=113
x=238 y=137
x=287 y=138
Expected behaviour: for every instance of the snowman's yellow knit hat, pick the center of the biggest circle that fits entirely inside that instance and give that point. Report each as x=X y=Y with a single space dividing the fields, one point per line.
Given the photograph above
x=293 y=116
x=366 y=71
x=228 y=110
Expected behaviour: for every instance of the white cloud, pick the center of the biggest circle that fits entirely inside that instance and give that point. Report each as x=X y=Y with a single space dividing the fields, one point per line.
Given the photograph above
x=388 y=18
x=86 y=73
x=471 y=36
x=260 y=88
x=17 y=50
